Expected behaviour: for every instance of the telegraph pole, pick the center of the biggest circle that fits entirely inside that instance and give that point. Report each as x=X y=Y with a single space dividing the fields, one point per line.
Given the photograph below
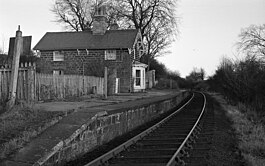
x=15 y=66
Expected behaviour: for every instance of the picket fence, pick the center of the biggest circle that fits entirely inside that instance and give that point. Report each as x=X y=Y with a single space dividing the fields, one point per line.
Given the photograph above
x=34 y=86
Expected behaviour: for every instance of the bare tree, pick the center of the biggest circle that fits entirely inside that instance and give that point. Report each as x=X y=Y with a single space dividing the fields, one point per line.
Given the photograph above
x=158 y=38
x=78 y=15
x=203 y=73
x=156 y=20
x=252 y=40
x=74 y=14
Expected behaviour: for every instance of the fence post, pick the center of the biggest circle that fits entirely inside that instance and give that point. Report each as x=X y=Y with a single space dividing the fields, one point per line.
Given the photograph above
x=106 y=83
x=15 y=66
x=31 y=83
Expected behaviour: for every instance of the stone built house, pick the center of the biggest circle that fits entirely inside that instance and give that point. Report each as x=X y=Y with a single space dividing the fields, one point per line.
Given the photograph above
x=88 y=52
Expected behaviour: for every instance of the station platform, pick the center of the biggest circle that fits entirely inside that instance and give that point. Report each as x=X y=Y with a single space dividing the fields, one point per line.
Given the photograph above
x=83 y=112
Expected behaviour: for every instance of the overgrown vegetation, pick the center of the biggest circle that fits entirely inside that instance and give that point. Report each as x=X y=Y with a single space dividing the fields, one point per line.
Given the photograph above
x=242 y=83
x=250 y=132
x=165 y=78
x=21 y=124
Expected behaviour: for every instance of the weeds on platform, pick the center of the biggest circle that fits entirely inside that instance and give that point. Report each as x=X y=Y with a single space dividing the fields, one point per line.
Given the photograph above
x=19 y=125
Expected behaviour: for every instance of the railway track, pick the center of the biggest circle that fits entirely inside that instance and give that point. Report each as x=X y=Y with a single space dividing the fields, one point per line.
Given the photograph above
x=169 y=142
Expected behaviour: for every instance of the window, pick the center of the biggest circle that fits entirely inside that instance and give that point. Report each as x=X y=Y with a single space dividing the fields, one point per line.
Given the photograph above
x=138 y=78
x=58 y=56
x=57 y=72
x=110 y=55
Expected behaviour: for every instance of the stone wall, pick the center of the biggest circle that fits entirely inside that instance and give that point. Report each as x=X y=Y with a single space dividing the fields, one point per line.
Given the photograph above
x=105 y=126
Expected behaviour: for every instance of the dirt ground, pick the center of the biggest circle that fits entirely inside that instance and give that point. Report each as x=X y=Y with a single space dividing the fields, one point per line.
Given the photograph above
x=224 y=150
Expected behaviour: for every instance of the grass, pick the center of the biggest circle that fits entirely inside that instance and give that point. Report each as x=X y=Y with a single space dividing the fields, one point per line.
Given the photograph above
x=250 y=132
x=21 y=124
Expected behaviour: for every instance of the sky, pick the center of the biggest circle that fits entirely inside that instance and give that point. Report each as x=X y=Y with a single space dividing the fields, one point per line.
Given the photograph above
x=208 y=29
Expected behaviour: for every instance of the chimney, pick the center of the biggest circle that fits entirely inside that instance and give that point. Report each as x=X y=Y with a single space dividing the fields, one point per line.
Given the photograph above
x=100 y=21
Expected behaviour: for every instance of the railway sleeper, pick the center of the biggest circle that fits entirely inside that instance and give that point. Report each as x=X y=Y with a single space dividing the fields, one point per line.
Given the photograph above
x=160 y=142
x=144 y=159
x=158 y=145
x=138 y=164
x=153 y=152
x=164 y=138
x=170 y=133
x=180 y=126
x=175 y=129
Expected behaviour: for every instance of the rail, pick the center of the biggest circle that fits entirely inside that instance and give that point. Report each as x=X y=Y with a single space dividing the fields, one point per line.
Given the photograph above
x=174 y=159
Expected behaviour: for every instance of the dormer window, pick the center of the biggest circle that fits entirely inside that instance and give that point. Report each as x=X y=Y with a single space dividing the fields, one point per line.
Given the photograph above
x=58 y=56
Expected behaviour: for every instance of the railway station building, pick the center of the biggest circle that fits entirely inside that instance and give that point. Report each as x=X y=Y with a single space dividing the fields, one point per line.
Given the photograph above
x=89 y=52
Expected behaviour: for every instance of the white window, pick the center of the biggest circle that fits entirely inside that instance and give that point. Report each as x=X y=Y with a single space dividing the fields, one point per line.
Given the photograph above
x=110 y=55
x=58 y=56
x=138 y=78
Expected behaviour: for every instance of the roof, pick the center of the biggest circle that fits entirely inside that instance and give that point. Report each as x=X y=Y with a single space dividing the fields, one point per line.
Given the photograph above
x=112 y=39
x=139 y=64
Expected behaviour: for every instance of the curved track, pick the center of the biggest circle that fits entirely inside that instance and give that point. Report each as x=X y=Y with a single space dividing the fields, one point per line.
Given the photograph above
x=166 y=143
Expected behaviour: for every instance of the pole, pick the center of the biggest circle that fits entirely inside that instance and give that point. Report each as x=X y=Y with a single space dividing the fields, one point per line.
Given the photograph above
x=15 y=66
x=106 y=83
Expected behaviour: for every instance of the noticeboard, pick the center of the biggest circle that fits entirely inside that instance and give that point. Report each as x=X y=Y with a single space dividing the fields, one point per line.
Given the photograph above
x=26 y=49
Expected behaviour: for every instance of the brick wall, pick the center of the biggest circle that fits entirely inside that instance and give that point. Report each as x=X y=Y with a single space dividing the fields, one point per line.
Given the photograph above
x=92 y=63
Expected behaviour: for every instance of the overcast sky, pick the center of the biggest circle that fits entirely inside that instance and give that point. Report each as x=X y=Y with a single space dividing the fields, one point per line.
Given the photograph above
x=208 y=28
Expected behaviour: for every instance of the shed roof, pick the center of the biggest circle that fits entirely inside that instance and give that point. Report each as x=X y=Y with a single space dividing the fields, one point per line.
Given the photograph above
x=112 y=39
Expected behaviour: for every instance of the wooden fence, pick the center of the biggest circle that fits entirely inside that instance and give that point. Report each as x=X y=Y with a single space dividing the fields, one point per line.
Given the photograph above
x=63 y=86
x=25 y=84
x=34 y=86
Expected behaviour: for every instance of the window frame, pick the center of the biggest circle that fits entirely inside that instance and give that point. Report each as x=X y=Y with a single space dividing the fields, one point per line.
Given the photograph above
x=138 y=77
x=110 y=55
x=58 y=56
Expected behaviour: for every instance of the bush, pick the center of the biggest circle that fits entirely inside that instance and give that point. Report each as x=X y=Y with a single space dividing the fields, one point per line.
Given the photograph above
x=164 y=83
x=241 y=82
